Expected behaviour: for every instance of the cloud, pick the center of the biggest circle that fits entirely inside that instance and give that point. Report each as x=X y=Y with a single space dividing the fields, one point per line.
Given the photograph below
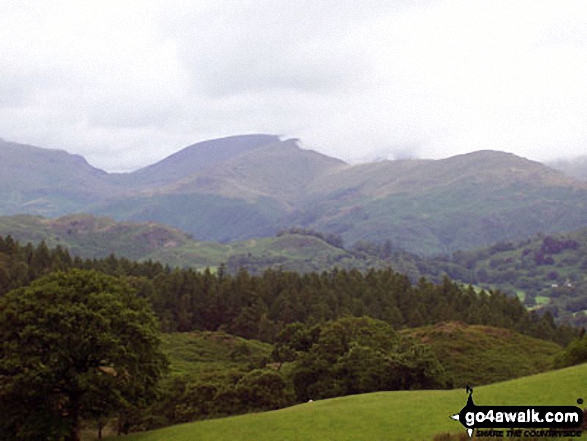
x=127 y=83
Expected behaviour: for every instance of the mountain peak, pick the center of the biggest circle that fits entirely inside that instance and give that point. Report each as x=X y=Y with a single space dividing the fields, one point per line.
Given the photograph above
x=197 y=156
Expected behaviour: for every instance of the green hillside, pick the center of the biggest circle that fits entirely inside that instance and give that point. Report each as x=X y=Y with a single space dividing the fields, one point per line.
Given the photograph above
x=94 y=237
x=547 y=271
x=197 y=353
x=463 y=350
x=97 y=237
x=476 y=355
x=407 y=415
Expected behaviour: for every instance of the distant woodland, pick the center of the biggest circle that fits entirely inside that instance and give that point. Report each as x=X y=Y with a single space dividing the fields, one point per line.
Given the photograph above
x=259 y=306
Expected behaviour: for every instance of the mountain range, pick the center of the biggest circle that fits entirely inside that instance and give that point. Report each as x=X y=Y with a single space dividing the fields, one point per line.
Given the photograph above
x=253 y=186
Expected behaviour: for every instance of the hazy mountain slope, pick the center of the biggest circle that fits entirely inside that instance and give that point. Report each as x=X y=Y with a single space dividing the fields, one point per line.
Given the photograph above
x=576 y=167
x=252 y=186
x=438 y=206
x=280 y=170
x=191 y=159
x=206 y=216
x=415 y=176
x=244 y=196
x=52 y=182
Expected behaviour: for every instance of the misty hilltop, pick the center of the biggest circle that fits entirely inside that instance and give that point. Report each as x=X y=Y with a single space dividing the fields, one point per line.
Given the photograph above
x=250 y=186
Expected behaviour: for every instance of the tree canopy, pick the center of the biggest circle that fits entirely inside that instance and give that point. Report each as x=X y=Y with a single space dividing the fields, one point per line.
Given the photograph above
x=74 y=345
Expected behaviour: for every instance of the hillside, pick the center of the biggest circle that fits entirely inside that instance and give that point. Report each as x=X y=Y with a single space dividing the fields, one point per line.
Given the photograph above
x=97 y=237
x=476 y=354
x=44 y=181
x=203 y=353
x=252 y=186
x=191 y=159
x=94 y=237
x=439 y=206
x=546 y=272
x=201 y=361
x=576 y=167
x=244 y=195
x=406 y=415
x=463 y=350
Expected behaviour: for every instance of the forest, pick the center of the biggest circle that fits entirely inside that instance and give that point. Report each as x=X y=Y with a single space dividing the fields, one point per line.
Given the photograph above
x=326 y=334
x=259 y=306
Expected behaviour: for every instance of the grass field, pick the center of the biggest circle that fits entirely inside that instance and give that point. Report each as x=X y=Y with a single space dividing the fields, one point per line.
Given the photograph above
x=390 y=416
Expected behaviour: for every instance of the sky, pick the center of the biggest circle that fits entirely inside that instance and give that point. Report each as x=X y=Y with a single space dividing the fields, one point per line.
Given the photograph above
x=127 y=83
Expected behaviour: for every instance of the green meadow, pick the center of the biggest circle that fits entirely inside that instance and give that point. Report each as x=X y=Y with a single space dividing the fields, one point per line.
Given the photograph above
x=389 y=416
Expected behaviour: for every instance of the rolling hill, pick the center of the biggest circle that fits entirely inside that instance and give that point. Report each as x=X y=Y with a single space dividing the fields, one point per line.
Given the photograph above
x=470 y=354
x=91 y=237
x=252 y=186
x=405 y=415
x=464 y=351
x=544 y=271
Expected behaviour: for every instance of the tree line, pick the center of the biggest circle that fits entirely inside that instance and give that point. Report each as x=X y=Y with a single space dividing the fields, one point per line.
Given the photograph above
x=335 y=330
x=343 y=357
x=260 y=306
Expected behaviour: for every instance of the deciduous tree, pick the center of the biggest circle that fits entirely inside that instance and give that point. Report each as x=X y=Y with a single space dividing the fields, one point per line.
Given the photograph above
x=73 y=345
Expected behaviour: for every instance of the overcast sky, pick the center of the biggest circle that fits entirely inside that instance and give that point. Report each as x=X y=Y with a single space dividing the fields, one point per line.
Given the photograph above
x=126 y=83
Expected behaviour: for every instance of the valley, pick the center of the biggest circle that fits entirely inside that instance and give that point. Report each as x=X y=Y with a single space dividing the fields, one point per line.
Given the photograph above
x=280 y=275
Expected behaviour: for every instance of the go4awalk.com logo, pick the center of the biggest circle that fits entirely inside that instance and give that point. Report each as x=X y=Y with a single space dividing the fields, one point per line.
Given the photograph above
x=553 y=421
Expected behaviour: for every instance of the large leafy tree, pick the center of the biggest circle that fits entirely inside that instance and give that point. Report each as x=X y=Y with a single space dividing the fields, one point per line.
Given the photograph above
x=73 y=345
x=360 y=354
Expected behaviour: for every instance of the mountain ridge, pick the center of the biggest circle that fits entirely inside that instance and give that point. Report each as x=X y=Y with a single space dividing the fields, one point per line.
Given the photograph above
x=195 y=157
x=248 y=186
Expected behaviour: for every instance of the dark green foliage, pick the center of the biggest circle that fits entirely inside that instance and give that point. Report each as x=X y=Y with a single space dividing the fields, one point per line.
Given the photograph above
x=291 y=340
x=227 y=392
x=259 y=306
x=332 y=239
x=547 y=271
x=575 y=353
x=359 y=355
x=74 y=345
x=311 y=319
x=344 y=357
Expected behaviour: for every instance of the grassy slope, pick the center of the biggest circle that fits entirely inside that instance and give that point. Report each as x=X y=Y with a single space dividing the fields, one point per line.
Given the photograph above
x=406 y=415
x=90 y=236
x=206 y=352
x=478 y=355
